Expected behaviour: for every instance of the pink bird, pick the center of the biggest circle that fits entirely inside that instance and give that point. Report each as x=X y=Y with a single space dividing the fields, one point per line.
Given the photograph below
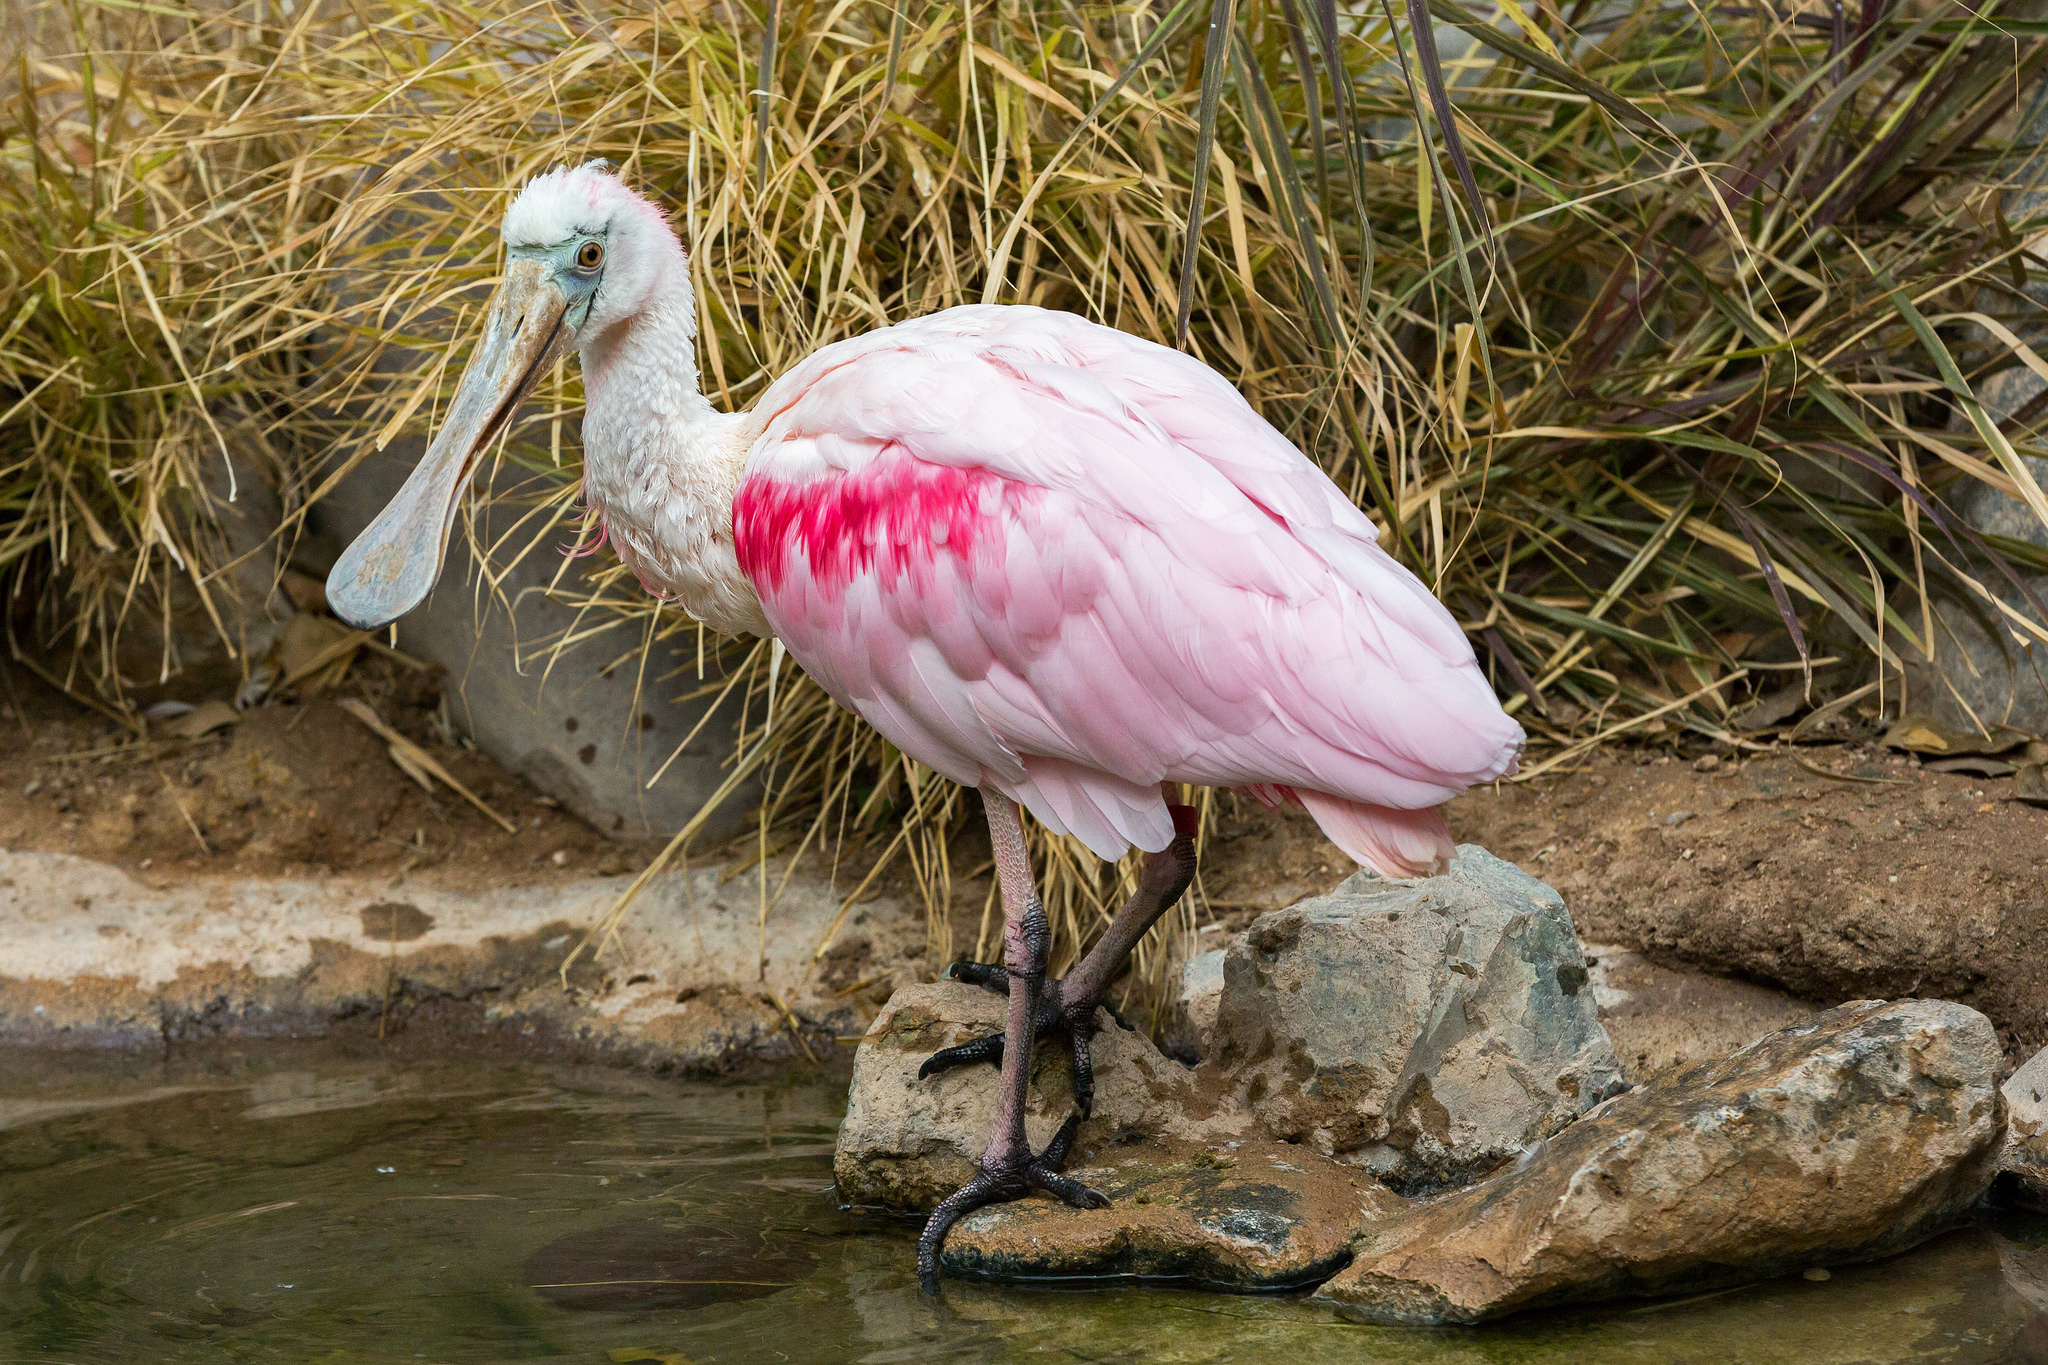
x=1062 y=565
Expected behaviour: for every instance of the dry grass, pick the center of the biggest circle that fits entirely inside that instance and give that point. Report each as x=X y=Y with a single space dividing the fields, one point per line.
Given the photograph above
x=1661 y=368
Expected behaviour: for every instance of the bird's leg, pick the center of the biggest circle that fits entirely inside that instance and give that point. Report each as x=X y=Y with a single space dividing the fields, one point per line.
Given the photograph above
x=1008 y=1167
x=1071 y=1002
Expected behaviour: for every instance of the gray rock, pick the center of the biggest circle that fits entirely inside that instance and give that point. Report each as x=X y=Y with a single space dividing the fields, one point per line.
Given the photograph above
x=591 y=725
x=1845 y=1139
x=908 y=1143
x=2025 y=1157
x=1425 y=1029
x=1240 y=1216
x=1976 y=671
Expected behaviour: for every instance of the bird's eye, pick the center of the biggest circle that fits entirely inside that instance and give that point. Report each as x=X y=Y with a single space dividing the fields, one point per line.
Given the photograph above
x=590 y=255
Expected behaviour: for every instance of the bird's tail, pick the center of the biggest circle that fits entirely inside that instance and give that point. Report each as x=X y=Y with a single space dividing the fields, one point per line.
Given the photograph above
x=1394 y=843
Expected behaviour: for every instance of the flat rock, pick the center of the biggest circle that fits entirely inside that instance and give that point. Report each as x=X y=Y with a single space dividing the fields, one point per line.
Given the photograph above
x=908 y=1143
x=1426 y=1029
x=1844 y=1139
x=100 y=956
x=2025 y=1156
x=1243 y=1216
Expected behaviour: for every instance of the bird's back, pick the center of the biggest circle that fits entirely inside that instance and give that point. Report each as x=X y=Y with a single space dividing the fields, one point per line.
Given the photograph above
x=1046 y=555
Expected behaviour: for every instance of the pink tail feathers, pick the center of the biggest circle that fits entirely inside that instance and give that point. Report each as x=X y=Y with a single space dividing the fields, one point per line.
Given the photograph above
x=1394 y=843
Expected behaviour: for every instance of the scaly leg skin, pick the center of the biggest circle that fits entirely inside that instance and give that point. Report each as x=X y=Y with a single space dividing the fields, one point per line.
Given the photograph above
x=1070 y=1003
x=1008 y=1168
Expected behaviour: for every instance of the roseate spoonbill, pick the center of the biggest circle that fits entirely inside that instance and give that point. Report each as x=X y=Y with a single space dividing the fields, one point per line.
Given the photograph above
x=1049 y=560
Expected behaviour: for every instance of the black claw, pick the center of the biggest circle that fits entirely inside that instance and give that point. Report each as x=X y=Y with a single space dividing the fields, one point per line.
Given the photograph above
x=1073 y=1191
x=989 y=1049
x=990 y=976
x=1000 y=1185
x=1121 y=1022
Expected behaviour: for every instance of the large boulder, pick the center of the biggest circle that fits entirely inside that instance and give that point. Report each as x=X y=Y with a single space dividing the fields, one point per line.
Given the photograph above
x=2025 y=1158
x=908 y=1143
x=1845 y=1139
x=1426 y=1029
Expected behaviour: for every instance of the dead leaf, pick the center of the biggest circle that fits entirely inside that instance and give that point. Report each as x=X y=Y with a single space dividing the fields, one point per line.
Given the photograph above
x=1924 y=735
x=312 y=643
x=203 y=719
x=1975 y=766
x=306 y=592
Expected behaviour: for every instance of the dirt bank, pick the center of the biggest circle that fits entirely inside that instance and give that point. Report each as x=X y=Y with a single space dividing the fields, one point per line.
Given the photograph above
x=295 y=786
x=1836 y=872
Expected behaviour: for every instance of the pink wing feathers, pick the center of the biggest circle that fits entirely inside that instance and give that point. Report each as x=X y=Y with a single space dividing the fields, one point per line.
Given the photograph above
x=1052 y=558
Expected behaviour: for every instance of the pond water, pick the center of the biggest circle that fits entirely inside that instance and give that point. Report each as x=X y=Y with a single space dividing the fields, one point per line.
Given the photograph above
x=301 y=1204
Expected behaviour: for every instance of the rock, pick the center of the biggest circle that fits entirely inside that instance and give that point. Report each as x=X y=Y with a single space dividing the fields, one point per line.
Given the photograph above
x=1426 y=1029
x=1977 y=671
x=97 y=956
x=1201 y=992
x=572 y=719
x=1664 y=1019
x=2025 y=1157
x=1841 y=1140
x=908 y=1143
x=1245 y=1216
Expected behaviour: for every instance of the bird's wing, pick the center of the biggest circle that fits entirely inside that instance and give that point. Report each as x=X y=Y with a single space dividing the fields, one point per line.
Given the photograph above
x=1049 y=556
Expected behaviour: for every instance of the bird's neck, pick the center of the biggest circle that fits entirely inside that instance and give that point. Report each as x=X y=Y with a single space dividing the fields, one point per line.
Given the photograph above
x=661 y=465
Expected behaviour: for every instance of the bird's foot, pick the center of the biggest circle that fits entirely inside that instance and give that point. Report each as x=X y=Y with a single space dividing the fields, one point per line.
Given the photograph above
x=1008 y=1174
x=1061 y=1008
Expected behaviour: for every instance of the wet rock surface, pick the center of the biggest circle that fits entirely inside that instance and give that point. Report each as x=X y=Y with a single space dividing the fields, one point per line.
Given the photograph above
x=1241 y=1216
x=2025 y=1158
x=1841 y=1140
x=908 y=1143
x=1426 y=1029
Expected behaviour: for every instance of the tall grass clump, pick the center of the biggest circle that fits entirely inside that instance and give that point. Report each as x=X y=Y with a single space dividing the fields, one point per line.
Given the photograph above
x=151 y=209
x=1650 y=334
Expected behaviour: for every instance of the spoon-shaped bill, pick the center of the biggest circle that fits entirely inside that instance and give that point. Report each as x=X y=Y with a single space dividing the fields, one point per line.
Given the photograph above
x=392 y=565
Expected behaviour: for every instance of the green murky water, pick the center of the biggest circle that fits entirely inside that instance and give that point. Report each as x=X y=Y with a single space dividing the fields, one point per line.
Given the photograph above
x=285 y=1204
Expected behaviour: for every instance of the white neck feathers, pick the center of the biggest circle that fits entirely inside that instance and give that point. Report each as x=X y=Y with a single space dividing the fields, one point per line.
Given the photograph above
x=660 y=464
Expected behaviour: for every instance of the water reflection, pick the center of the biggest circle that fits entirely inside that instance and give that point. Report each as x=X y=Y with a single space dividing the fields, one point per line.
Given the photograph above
x=666 y=1263
x=300 y=1204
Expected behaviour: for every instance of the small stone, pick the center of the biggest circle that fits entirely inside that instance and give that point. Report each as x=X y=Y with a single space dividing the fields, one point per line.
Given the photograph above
x=1677 y=818
x=1706 y=763
x=1852 y=1137
x=1266 y=1216
x=1817 y=1273
x=560 y=857
x=32 y=786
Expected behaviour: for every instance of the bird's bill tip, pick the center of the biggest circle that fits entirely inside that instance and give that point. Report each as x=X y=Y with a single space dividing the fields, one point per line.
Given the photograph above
x=391 y=566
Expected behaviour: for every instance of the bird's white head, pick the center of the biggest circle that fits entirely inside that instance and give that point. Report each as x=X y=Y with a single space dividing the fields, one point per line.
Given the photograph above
x=584 y=256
